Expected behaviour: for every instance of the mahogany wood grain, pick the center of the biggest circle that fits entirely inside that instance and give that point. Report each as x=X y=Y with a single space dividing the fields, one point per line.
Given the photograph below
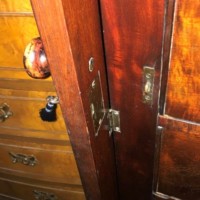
x=71 y=34
x=179 y=159
x=133 y=32
x=184 y=75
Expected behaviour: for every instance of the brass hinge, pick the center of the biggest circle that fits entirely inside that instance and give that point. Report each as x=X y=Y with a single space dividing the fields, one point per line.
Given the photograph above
x=113 y=120
x=102 y=118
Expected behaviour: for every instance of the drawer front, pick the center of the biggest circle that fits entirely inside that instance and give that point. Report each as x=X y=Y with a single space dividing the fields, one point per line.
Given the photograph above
x=26 y=114
x=16 y=33
x=19 y=80
x=22 y=191
x=52 y=163
x=15 y=6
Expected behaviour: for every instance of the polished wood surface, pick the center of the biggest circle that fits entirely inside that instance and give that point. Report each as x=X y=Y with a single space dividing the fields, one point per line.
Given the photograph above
x=48 y=158
x=30 y=85
x=184 y=76
x=26 y=115
x=133 y=39
x=179 y=159
x=177 y=162
x=12 y=73
x=16 y=33
x=16 y=6
x=71 y=36
x=19 y=190
x=24 y=135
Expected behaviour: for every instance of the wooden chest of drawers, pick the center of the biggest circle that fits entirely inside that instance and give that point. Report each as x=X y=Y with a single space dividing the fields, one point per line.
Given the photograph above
x=34 y=190
x=36 y=158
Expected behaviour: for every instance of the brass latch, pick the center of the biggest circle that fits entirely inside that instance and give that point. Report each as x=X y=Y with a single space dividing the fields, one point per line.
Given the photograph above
x=148 y=83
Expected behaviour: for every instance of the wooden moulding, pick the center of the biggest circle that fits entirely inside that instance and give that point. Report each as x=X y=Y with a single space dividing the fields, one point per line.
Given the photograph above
x=179 y=161
x=169 y=6
x=71 y=34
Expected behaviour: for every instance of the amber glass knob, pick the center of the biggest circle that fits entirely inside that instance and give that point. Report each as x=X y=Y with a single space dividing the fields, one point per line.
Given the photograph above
x=35 y=61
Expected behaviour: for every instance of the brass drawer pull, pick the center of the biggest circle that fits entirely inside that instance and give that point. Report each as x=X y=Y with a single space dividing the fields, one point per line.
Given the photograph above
x=39 y=195
x=24 y=159
x=4 y=112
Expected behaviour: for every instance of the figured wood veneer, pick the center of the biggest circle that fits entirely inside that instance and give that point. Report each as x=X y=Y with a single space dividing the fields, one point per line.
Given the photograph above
x=183 y=86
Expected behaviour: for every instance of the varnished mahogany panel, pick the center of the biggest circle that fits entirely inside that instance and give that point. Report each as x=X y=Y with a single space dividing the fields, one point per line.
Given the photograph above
x=179 y=162
x=133 y=32
x=71 y=36
x=184 y=73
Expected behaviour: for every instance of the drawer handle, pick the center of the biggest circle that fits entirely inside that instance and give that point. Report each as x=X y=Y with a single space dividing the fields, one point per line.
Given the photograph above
x=5 y=112
x=49 y=112
x=22 y=158
x=39 y=195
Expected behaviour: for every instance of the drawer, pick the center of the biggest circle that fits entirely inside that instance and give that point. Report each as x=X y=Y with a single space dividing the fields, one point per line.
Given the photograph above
x=40 y=136
x=15 y=6
x=26 y=114
x=38 y=161
x=28 y=191
x=16 y=33
x=18 y=79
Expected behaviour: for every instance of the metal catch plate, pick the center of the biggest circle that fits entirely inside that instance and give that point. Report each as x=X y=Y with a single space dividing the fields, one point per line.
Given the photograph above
x=96 y=103
x=148 y=83
x=114 y=121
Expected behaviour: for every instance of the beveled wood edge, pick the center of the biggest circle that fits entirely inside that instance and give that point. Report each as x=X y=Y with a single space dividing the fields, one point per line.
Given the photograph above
x=51 y=29
x=172 y=123
x=5 y=197
x=167 y=37
x=6 y=176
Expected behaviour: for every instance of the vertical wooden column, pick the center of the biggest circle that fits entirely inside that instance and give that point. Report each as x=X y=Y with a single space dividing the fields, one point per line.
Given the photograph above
x=133 y=31
x=71 y=34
